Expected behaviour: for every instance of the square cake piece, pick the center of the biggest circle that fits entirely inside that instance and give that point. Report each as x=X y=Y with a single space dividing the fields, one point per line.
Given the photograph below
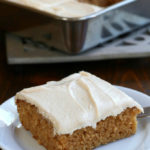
x=79 y=112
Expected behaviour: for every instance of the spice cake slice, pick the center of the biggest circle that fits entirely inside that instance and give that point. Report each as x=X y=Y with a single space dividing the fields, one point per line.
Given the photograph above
x=79 y=112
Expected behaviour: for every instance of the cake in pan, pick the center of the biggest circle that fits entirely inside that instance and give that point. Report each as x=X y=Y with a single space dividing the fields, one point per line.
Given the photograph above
x=79 y=112
x=102 y=3
x=66 y=8
x=61 y=8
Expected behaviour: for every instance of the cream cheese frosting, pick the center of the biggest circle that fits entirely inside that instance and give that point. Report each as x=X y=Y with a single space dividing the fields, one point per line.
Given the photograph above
x=77 y=101
x=63 y=8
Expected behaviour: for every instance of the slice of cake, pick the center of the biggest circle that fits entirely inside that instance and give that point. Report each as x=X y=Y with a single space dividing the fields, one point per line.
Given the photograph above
x=79 y=112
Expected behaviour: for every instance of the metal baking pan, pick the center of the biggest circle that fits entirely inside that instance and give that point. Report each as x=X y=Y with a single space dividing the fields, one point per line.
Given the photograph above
x=75 y=35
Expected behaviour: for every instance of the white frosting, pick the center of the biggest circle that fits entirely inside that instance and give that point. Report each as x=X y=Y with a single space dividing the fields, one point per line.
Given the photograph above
x=74 y=8
x=77 y=101
x=64 y=8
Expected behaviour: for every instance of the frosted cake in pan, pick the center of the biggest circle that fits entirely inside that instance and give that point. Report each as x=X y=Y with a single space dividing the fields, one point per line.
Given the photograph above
x=62 y=8
x=103 y=3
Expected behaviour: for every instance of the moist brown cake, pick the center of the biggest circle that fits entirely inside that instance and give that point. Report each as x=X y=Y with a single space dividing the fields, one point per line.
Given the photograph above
x=108 y=130
x=79 y=112
x=102 y=3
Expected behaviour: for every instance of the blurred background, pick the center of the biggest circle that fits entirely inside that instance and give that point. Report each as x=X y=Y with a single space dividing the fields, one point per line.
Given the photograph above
x=31 y=42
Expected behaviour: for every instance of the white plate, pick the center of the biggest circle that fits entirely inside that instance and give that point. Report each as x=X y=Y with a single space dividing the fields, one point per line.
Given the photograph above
x=12 y=138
